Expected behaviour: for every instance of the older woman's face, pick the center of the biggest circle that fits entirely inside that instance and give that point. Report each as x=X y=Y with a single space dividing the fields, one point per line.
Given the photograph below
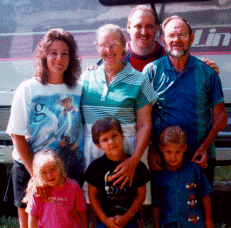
x=110 y=48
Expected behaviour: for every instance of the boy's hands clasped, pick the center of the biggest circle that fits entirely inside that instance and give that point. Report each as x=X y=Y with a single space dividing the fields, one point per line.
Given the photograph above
x=118 y=221
x=121 y=220
x=110 y=223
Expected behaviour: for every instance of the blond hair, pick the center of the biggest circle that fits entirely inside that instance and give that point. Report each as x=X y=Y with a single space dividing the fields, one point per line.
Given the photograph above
x=173 y=135
x=40 y=159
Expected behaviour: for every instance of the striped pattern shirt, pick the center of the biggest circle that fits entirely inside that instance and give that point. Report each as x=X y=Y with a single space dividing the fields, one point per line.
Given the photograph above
x=129 y=91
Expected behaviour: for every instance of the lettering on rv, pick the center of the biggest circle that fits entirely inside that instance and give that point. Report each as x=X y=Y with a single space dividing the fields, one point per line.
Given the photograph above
x=212 y=40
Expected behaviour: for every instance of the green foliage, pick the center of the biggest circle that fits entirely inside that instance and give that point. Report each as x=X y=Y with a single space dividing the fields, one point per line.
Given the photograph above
x=9 y=222
x=222 y=173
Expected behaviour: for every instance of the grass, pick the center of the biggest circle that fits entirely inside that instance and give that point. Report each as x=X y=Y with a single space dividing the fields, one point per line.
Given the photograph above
x=222 y=173
x=12 y=222
x=9 y=222
x=215 y=226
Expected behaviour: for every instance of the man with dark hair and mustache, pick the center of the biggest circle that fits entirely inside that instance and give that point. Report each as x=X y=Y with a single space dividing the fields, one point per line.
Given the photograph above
x=190 y=95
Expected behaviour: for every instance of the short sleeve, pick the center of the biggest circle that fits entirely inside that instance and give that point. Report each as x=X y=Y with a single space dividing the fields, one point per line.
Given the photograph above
x=80 y=200
x=215 y=92
x=91 y=174
x=82 y=78
x=203 y=183
x=149 y=72
x=142 y=175
x=18 y=122
x=146 y=95
x=32 y=206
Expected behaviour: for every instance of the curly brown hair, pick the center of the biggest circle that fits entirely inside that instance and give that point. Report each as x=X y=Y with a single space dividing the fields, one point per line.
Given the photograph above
x=72 y=72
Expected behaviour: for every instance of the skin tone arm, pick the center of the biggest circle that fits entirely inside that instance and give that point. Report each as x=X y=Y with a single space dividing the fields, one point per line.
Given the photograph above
x=84 y=218
x=208 y=212
x=122 y=220
x=219 y=122
x=93 y=197
x=155 y=216
x=21 y=145
x=126 y=169
x=32 y=221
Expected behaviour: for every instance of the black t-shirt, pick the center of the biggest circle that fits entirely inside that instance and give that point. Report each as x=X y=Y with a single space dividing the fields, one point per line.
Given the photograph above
x=114 y=201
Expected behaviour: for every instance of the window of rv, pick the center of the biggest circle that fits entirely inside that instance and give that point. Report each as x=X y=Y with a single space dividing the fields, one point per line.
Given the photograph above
x=24 y=22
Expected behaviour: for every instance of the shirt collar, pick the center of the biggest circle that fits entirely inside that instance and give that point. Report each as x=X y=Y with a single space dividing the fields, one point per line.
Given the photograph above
x=127 y=71
x=143 y=57
x=189 y=64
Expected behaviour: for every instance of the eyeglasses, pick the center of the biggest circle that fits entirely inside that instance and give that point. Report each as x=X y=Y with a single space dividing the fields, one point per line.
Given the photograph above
x=181 y=36
x=112 y=45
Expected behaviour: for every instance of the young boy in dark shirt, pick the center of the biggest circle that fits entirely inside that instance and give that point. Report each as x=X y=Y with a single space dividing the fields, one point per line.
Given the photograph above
x=115 y=207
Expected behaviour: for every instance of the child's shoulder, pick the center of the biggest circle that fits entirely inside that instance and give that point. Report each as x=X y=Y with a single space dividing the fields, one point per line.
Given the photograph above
x=187 y=165
x=141 y=165
x=193 y=165
x=142 y=172
x=99 y=160
x=96 y=165
x=71 y=183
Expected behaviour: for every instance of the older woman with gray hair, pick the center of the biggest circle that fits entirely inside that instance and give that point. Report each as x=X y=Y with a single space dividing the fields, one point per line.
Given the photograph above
x=116 y=89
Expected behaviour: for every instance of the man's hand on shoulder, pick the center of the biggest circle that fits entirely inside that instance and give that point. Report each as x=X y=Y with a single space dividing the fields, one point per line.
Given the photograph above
x=212 y=64
x=200 y=158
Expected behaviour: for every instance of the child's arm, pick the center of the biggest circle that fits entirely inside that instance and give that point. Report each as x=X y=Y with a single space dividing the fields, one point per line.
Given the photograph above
x=122 y=220
x=94 y=201
x=208 y=212
x=32 y=221
x=156 y=216
x=84 y=218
